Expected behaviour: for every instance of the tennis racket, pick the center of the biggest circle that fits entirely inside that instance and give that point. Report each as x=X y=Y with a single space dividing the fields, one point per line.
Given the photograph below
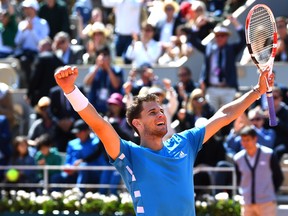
x=261 y=39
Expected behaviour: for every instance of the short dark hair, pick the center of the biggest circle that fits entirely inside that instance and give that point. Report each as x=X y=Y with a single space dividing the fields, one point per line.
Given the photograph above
x=104 y=51
x=135 y=109
x=44 y=140
x=248 y=131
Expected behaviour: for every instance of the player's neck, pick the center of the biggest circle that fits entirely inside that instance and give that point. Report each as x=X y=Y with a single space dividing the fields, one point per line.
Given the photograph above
x=153 y=143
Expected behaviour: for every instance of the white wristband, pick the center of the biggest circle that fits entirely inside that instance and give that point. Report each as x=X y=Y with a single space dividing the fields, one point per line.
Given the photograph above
x=77 y=99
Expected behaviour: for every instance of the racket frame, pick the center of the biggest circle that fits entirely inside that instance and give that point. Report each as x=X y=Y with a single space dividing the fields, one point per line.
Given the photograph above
x=270 y=62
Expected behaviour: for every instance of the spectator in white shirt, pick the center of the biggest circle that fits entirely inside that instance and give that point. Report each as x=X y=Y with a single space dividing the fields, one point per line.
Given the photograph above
x=127 y=22
x=146 y=50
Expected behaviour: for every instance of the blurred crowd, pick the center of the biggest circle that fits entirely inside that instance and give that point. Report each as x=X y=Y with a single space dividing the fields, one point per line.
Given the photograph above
x=46 y=34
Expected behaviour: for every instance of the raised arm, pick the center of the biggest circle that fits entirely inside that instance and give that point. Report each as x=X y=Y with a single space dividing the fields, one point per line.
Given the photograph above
x=234 y=109
x=65 y=78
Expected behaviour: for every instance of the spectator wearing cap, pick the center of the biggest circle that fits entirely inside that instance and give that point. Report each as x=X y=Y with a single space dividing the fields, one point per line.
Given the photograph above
x=116 y=116
x=219 y=73
x=85 y=150
x=57 y=16
x=146 y=49
x=31 y=30
x=103 y=80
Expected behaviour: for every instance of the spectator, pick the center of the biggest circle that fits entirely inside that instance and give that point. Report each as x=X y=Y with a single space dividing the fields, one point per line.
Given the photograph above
x=8 y=31
x=85 y=150
x=21 y=157
x=255 y=119
x=69 y=54
x=45 y=124
x=125 y=27
x=98 y=39
x=184 y=86
x=6 y=105
x=195 y=108
x=57 y=16
x=198 y=19
x=63 y=114
x=83 y=9
x=178 y=50
x=281 y=130
x=96 y=16
x=165 y=28
x=145 y=50
x=116 y=116
x=134 y=84
x=47 y=155
x=30 y=31
x=103 y=80
x=42 y=79
x=219 y=75
x=5 y=143
x=259 y=175
x=282 y=50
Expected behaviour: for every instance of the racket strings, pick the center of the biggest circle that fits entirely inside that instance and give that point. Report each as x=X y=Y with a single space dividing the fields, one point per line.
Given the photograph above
x=261 y=35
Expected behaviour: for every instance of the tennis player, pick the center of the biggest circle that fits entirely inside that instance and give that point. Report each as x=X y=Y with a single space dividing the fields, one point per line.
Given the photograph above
x=158 y=175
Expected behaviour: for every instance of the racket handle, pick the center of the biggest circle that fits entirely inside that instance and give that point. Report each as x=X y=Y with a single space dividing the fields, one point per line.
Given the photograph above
x=272 y=114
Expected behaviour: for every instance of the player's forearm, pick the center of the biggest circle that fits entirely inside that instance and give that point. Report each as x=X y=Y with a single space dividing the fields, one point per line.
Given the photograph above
x=235 y=108
x=103 y=130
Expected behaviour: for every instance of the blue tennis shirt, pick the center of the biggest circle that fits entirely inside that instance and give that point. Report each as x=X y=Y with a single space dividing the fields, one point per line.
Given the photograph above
x=161 y=182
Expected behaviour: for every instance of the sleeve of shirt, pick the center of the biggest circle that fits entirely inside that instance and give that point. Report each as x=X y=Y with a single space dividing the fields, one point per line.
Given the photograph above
x=124 y=152
x=130 y=52
x=195 y=138
x=111 y=3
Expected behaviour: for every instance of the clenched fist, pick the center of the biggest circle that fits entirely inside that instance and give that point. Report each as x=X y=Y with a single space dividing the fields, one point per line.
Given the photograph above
x=65 y=77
